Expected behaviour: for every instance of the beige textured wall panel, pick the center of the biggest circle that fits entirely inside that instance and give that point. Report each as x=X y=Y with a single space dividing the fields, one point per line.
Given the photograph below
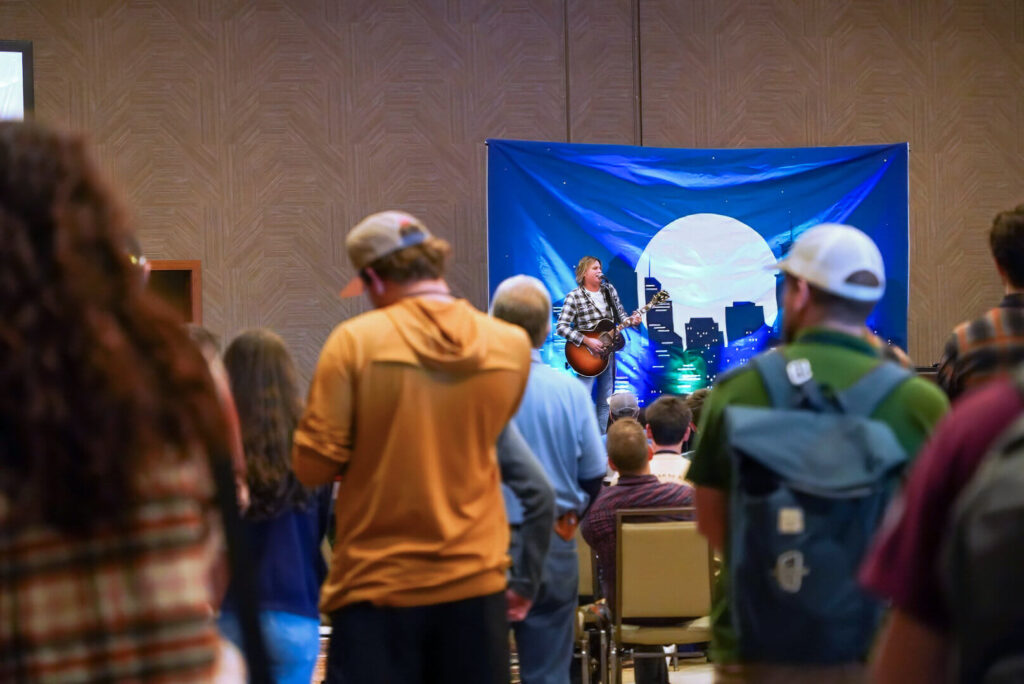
x=601 y=83
x=252 y=135
x=944 y=76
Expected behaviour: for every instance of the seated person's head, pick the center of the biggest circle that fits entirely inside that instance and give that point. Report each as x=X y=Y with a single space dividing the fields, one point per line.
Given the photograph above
x=623 y=405
x=524 y=301
x=627 y=447
x=668 y=421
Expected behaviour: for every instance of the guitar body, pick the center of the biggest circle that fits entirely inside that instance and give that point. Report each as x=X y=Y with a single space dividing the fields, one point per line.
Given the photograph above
x=588 y=363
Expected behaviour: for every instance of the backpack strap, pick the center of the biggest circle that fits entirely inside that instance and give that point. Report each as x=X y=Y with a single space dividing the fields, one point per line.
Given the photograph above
x=864 y=396
x=773 y=368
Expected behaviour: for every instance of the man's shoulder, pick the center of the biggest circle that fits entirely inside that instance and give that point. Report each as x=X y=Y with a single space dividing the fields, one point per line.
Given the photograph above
x=983 y=411
x=575 y=293
x=373 y=325
x=741 y=385
x=977 y=330
x=918 y=391
x=563 y=383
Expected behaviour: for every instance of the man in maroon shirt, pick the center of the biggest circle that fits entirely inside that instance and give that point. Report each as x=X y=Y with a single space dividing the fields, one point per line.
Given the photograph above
x=904 y=564
x=636 y=488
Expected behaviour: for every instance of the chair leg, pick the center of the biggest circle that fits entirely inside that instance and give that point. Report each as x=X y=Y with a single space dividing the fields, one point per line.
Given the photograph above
x=604 y=655
x=585 y=659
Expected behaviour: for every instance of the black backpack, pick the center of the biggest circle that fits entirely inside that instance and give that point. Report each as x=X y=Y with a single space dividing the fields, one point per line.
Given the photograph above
x=983 y=564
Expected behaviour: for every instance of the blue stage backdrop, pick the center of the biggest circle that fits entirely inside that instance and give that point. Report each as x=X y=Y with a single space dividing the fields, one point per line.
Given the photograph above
x=701 y=224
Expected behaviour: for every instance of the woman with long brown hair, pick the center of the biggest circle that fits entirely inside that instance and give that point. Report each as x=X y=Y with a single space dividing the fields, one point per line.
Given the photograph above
x=107 y=420
x=285 y=522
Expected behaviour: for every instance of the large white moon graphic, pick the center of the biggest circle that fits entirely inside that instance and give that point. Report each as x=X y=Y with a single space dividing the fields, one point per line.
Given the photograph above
x=707 y=262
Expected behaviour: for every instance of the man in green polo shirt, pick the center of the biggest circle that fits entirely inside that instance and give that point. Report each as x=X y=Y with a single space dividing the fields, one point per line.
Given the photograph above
x=834 y=276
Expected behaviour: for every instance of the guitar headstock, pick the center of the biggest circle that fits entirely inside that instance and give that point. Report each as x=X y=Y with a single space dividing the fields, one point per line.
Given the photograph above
x=659 y=297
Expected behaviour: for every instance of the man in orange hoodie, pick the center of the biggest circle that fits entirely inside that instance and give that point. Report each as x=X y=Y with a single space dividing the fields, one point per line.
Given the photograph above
x=406 y=405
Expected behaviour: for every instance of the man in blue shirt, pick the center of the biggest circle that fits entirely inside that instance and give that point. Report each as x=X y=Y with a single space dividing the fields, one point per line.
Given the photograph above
x=558 y=422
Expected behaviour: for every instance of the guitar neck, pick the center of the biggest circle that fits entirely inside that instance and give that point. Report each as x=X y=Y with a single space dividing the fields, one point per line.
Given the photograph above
x=622 y=326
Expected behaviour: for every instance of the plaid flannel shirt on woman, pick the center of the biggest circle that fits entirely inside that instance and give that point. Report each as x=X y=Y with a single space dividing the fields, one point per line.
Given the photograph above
x=580 y=313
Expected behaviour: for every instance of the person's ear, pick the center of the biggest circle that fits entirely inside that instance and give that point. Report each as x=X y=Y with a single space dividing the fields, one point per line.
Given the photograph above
x=796 y=293
x=373 y=281
x=647 y=429
x=803 y=293
x=611 y=465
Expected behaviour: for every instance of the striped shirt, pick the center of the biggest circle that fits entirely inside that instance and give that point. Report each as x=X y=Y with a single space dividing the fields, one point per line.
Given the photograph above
x=579 y=312
x=131 y=604
x=632 y=491
x=986 y=348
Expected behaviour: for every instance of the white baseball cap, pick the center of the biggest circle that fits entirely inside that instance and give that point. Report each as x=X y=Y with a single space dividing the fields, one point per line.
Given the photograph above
x=829 y=254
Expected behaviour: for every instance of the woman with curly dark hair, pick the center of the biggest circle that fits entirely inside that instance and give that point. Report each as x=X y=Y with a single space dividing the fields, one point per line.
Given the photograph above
x=107 y=420
x=285 y=522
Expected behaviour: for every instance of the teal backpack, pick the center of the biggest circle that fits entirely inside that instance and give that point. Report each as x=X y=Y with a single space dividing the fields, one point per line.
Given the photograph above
x=811 y=478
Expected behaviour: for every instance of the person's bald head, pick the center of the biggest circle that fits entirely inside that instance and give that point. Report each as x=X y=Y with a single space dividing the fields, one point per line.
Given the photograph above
x=524 y=301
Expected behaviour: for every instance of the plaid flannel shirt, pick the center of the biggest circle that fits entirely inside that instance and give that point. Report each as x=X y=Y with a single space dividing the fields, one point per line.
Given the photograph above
x=579 y=313
x=124 y=604
x=985 y=348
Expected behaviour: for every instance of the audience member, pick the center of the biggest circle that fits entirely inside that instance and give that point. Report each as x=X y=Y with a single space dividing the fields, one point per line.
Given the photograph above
x=622 y=404
x=558 y=422
x=992 y=345
x=903 y=567
x=285 y=522
x=695 y=402
x=834 y=275
x=108 y=421
x=406 y=404
x=668 y=428
x=209 y=345
x=636 y=488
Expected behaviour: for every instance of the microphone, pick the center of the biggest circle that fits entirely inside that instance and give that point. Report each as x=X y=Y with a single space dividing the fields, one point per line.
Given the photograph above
x=604 y=279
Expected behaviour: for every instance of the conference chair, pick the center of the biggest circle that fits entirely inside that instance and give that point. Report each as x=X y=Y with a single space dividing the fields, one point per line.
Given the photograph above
x=662 y=583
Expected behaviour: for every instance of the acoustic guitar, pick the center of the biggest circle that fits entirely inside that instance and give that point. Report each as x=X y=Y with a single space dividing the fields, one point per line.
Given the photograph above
x=590 y=363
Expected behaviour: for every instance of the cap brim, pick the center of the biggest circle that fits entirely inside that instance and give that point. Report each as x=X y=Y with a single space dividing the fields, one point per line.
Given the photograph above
x=354 y=288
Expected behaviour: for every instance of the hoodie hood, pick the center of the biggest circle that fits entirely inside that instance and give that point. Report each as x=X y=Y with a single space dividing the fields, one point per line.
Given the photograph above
x=445 y=334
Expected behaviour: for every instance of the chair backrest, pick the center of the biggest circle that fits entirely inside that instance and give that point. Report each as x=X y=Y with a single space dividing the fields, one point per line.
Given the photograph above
x=587 y=585
x=663 y=565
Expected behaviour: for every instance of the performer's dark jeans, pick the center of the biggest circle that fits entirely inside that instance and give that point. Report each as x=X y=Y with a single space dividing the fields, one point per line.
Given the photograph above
x=462 y=642
x=600 y=388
